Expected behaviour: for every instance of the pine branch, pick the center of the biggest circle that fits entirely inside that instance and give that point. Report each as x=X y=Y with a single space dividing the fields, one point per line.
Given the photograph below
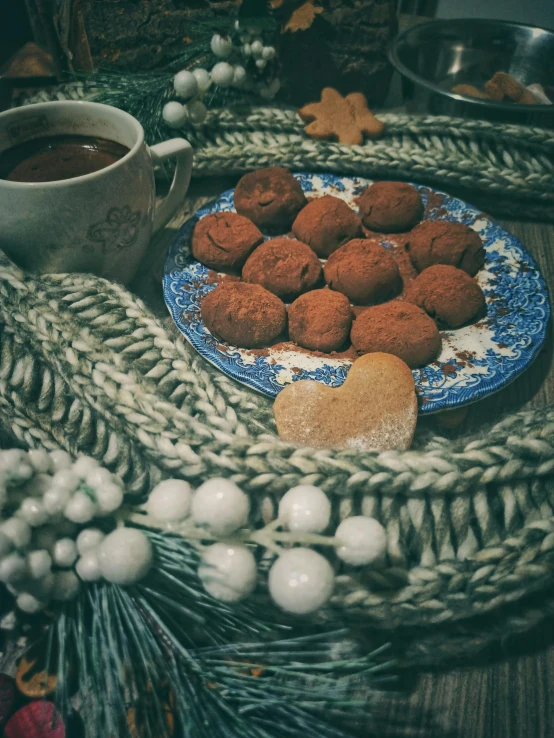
x=165 y=649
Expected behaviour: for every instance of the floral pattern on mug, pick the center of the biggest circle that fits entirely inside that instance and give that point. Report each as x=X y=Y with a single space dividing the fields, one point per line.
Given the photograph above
x=119 y=231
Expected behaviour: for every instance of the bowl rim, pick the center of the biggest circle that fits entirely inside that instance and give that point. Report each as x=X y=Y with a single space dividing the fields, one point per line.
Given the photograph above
x=405 y=71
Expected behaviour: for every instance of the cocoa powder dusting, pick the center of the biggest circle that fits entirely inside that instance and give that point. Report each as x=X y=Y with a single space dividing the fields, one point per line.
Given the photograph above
x=217 y=278
x=320 y=320
x=447 y=294
x=397 y=328
x=244 y=315
x=450 y=369
x=289 y=346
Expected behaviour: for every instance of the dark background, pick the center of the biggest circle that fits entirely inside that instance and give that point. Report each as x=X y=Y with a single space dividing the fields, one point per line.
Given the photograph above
x=14 y=27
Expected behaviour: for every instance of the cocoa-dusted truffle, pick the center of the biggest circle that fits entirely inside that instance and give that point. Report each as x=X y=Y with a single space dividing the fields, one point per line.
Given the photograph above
x=271 y=198
x=364 y=271
x=325 y=224
x=447 y=294
x=442 y=242
x=320 y=320
x=244 y=315
x=398 y=328
x=223 y=241
x=390 y=207
x=283 y=266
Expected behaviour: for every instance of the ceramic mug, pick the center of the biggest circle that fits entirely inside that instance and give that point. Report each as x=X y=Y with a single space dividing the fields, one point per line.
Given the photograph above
x=100 y=222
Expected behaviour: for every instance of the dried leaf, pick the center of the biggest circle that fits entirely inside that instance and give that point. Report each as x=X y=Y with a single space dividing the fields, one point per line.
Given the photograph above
x=303 y=17
x=276 y=4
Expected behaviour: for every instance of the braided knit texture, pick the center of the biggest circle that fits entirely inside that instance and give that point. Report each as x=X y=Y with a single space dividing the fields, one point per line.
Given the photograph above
x=470 y=523
x=85 y=366
x=498 y=165
x=503 y=168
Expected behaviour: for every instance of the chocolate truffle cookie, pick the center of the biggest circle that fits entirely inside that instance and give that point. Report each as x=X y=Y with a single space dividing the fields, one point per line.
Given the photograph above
x=223 y=241
x=283 y=266
x=397 y=328
x=447 y=294
x=442 y=242
x=320 y=320
x=325 y=224
x=390 y=207
x=244 y=315
x=364 y=271
x=271 y=198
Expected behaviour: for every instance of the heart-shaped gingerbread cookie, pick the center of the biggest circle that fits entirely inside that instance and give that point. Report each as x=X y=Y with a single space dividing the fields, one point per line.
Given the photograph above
x=375 y=408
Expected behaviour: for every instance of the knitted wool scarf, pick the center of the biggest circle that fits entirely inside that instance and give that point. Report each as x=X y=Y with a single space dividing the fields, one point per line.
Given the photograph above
x=85 y=366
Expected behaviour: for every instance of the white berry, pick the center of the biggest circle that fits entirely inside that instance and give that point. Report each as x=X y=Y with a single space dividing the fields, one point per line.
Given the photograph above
x=305 y=509
x=40 y=460
x=15 y=465
x=125 y=556
x=256 y=47
x=246 y=50
x=80 y=508
x=37 y=485
x=301 y=581
x=66 y=586
x=221 y=506
x=65 y=553
x=99 y=476
x=364 y=540
x=174 y=114
x=185 y=84
x=268 y=52
x=6 y=545
x=88 y=566
x=18 y=531
x=221 y=46
x=29 y=604
x=269 y=92
x=55 y=500
x=39 y=563
x=109 y=498
x=197 y=112
x=203 y=79
x=261 y=63
x=60 y=460
x=88 y=539
x=239 y=76
x=13 y=568
x=84 y=465
x=33 y=512
x=40 y=588
x=228 y=572
x=66 y=480
x=170 y=500
x=222 y=74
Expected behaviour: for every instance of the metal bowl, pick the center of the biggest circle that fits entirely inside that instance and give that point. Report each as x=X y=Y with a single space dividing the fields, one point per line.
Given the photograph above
x=434 y=57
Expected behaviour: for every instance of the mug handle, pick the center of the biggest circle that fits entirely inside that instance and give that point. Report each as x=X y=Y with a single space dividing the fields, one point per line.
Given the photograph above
x=182 y=151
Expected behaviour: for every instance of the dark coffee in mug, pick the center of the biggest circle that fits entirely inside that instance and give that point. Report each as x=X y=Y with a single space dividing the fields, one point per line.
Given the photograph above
x=53 y=158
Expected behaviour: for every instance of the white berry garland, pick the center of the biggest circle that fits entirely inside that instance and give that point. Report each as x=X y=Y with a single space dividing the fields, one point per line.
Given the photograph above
x=44 y=555
x=49 y=544
x=300 y=579
x=248 y=65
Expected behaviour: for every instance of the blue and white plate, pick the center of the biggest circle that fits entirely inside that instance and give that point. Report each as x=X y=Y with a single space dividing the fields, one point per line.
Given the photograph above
x=475 y=360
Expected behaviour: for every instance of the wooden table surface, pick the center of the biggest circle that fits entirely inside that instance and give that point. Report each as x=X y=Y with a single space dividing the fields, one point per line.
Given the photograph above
x=508 y=694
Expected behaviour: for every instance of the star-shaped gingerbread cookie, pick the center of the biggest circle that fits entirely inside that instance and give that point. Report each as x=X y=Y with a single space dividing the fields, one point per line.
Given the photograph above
x=345 y=118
